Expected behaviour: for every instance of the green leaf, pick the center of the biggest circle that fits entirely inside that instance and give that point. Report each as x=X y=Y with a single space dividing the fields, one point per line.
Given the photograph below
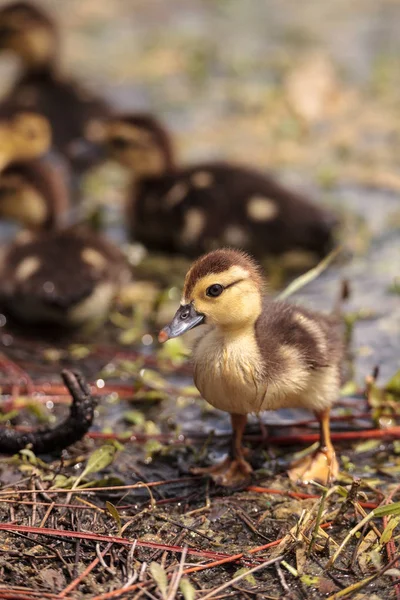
x=249 y=578
x=135 y=417
x=61 y=481
x=309 y=580
x=8 y=416
x=188 y=591
x=78 y=351
x=29 y=456
x=393 y=385
x=349 y=388
x=98 y=460
x=366 y=446
x=153 y=379
x=115 y=515
x=389 y=509
x=160 y=577
x=388 y=531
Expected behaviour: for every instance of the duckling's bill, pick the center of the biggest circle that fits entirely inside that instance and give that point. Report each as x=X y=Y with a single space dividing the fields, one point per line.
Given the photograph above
x=185 y=318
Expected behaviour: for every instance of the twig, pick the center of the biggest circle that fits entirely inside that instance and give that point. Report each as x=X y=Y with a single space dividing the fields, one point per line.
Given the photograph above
x=177 y=577
x=310 y=275
x=84 y=573
x=215 y=591
x=66 y=433
x=317 y=520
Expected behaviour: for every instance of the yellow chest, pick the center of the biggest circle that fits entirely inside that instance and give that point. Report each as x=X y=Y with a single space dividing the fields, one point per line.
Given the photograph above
x=229 y=373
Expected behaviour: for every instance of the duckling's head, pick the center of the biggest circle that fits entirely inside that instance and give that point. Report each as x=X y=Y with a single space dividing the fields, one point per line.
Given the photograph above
x=24 y=136
x=222 y=288
x=139 y=142
x=29 y=32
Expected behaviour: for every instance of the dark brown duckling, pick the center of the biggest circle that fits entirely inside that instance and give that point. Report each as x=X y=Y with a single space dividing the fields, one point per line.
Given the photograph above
x=68 y=277
x=194 y=209
x=258 y=354
x=74 y=113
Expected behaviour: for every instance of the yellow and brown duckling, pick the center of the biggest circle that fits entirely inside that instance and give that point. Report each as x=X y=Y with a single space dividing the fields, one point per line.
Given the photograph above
x=68 y=277
x=33 y=189
x=258 y=354
x=191 y=210
x=24 y=136
x=74 y=113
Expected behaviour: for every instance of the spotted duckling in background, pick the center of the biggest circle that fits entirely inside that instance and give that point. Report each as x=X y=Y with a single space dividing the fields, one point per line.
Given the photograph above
x=74 y=113
x=191 y=210
x=68 y=277
x=258 y=354
x=33 y=189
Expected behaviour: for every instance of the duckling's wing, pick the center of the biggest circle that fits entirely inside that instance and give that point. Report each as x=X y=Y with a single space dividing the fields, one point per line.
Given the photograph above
x=313 y=337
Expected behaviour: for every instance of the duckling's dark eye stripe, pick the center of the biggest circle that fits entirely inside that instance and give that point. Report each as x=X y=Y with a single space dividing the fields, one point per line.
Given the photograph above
x=233 y=283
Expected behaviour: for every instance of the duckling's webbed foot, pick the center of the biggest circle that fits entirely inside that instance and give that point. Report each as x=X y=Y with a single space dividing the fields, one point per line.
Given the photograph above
x=321 y=465
x=234 y=470
x=230 y=472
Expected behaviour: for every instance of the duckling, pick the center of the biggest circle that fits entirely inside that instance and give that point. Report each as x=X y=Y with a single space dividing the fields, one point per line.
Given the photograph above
x=24 y=136
x=68 y=277
x=191 y=210
x=75 y=114
x=258 y=354
x=33 y=189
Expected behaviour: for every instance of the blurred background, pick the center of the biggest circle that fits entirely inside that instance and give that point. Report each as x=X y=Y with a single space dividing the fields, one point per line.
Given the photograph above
x=313 y=92
x=310 y=93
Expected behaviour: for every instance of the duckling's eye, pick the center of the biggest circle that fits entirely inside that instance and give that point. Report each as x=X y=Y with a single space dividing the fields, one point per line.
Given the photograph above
x=120 y=143
x=215 y=290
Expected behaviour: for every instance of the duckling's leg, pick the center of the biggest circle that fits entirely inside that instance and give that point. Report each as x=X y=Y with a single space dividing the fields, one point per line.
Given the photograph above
x=234 y=470
x=321 y=465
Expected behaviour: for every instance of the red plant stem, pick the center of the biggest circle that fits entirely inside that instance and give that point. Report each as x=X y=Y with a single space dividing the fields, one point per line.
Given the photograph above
x=16 y=593
x=391 y=433
x=310 y=438
x=10 y=595
x=105 y=538
x=281 y=440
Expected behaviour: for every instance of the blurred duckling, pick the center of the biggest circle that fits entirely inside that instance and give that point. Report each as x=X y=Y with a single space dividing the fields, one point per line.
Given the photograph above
x=74 y=114
x=24 y=136
x=68 y=277
x=191 y=210
x=33 y=188
x=258 y=354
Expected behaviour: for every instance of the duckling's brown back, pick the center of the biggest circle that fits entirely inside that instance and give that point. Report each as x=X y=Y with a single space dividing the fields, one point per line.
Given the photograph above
x=60 y=269
x=314 y=338
x=199 y=208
